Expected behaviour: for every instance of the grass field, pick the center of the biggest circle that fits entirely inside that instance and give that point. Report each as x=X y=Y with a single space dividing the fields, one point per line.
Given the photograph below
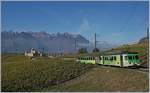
x=106 y=79
x=20 y=73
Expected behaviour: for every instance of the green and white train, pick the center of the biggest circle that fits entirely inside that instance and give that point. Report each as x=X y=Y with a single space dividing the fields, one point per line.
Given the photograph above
x=122 y=59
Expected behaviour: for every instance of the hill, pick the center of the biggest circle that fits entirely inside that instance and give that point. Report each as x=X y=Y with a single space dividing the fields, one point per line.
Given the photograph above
x=106 y=79
x=143 y=40
x=141 y=47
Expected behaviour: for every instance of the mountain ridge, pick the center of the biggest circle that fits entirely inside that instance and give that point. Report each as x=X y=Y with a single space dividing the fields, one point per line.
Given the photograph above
x=22 y=41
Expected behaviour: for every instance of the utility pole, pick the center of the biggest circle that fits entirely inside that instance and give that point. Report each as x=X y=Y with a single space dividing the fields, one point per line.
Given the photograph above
x=75 y=45
x=95 y=41
x=148 y=46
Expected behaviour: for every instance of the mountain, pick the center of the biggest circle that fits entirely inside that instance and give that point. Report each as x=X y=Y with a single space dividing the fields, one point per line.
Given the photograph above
x=143 y=40
x=42 y=41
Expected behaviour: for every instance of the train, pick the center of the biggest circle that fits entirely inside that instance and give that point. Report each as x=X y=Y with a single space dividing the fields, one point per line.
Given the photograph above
x=121 y=59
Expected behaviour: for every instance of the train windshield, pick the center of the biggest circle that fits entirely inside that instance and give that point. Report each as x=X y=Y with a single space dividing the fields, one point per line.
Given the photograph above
x=136 y=57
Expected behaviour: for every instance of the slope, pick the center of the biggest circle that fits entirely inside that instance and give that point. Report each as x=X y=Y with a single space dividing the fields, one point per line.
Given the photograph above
x=141 y=48
x=106 y=79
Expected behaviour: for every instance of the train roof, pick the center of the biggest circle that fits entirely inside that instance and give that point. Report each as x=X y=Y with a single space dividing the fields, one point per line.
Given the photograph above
x=121 y=52
x=86 y=56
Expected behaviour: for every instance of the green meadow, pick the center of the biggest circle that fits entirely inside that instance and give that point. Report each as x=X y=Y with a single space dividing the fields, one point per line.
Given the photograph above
x=20 y=73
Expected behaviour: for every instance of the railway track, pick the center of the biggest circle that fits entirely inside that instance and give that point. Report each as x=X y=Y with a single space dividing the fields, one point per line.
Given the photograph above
x=144 y=70
x=138 y=69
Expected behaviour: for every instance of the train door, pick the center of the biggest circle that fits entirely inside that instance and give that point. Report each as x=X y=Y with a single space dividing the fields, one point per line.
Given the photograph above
x=121 y=60
x=101 y=59
x=96 y=60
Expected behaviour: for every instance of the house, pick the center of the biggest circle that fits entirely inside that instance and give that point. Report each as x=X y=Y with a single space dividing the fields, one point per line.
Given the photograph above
x=33 y=52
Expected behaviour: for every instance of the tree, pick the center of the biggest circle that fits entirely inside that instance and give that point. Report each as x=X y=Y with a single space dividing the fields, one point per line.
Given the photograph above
x=95 y=50
x=82 y=50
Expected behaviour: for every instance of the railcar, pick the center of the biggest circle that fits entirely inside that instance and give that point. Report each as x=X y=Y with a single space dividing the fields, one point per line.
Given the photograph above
x=122 y=59
x=87 y=60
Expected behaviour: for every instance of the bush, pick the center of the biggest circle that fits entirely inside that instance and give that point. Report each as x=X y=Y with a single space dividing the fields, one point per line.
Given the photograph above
x=82 y=50
x=95 y=50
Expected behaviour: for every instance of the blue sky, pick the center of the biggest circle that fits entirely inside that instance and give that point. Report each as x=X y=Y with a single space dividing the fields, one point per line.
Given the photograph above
x=115 y=22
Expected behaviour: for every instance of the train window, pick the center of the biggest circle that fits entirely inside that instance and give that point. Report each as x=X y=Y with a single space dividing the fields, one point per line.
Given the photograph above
x=114 y=57
x=136 y=57
x=126 y=58
x=111 y=58
x=130 y=57
x=107 y=58
x=99 y=58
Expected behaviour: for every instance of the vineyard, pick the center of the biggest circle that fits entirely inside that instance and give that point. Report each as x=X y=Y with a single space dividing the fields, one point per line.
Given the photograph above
x=20 y=73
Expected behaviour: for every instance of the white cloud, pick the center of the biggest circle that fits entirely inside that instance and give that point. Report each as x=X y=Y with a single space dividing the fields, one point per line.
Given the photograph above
x=84 y=27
